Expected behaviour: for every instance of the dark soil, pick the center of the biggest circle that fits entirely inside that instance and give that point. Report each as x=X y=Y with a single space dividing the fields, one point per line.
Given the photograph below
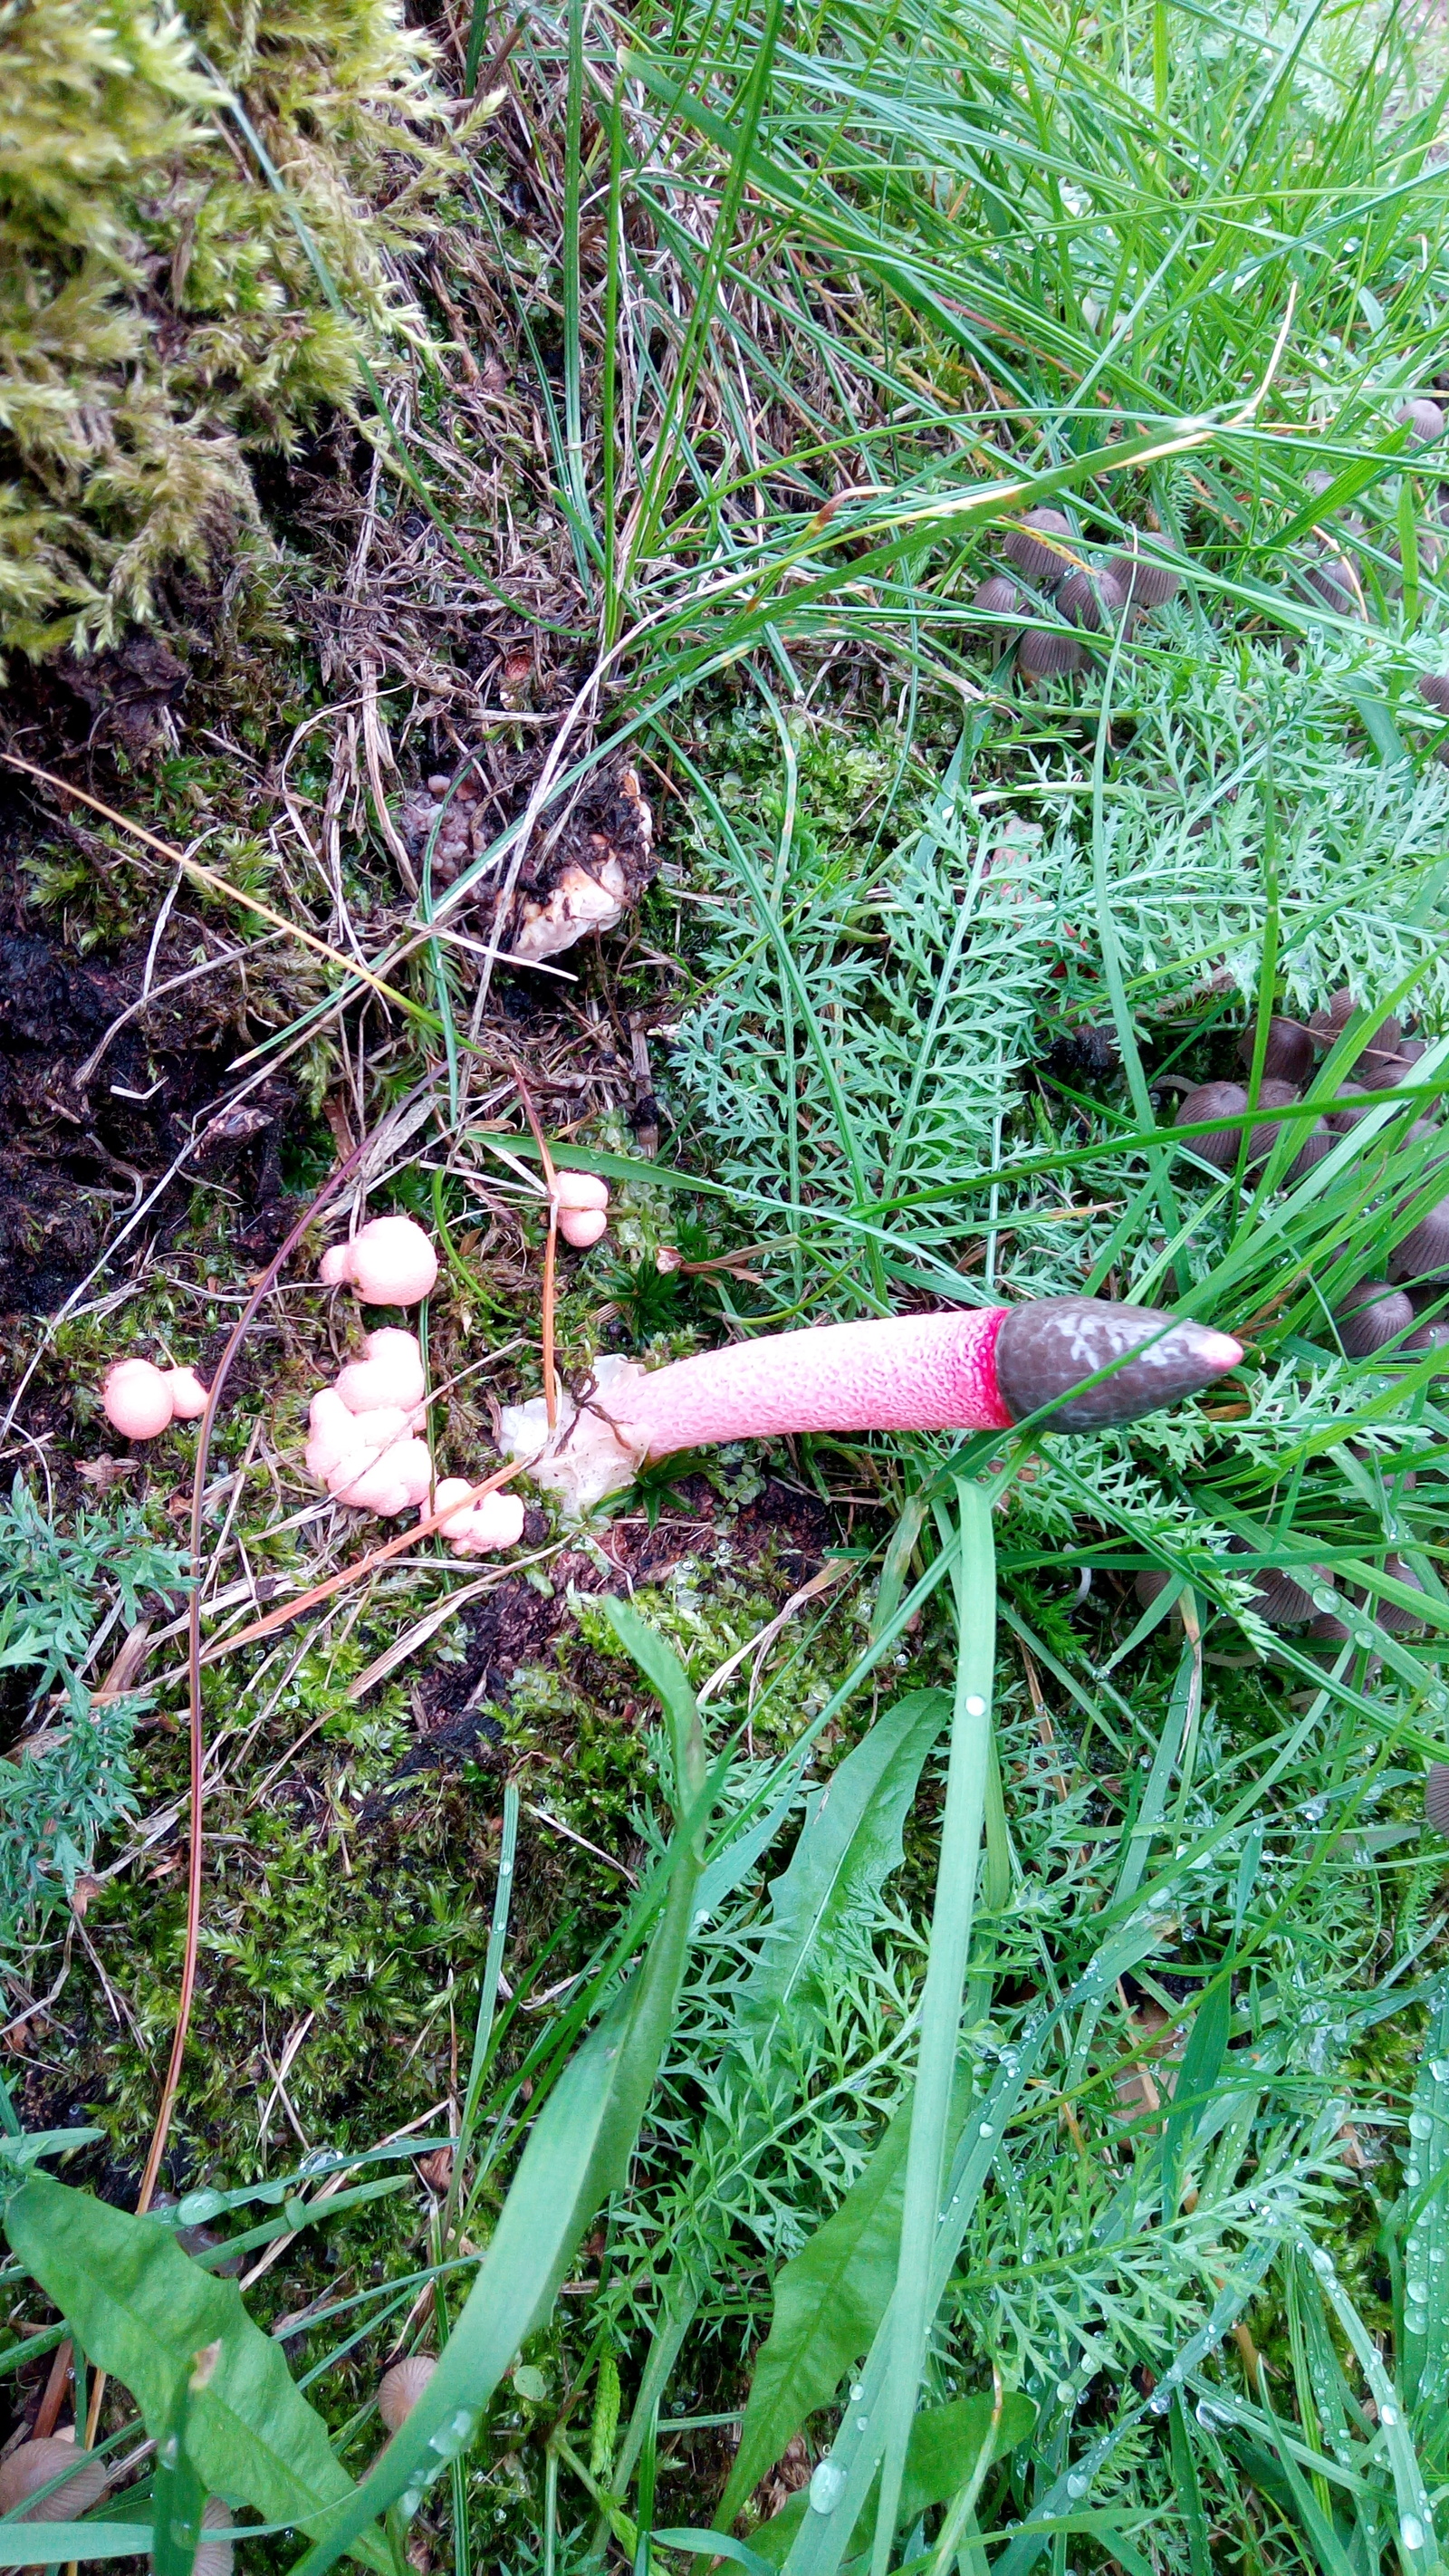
x=91 y=1121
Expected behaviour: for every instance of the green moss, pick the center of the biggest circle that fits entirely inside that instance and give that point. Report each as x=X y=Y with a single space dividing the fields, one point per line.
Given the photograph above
x=159 y=319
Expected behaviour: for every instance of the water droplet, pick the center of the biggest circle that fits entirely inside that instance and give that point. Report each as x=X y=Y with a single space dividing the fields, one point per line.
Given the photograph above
x=827 y=2487
x=1439 y=2069
x=862 y=2423
x=856 y=2394
x=1325 y=1598
x=1418 y=2291
x=1388 y=2415
x=1420 y=2125
x=1065 y=2392
x=975 y=1706
x=1322 y=2263
x=409 y=2501
x=1077 y=2485
x=987 y=2130
x=1411 y=2531
x=1160 y=2400
x=1208 y=2414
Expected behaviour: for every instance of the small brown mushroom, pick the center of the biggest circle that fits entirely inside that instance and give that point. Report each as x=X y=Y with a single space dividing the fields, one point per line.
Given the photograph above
x=1288 y=1055
x=1422 y=418
x=1091 y=599
x=1372 y=1315
x=1144 y=580
x=1392 y=1615
x=1344 y=1121
x=215 y=2557
x=1434 y=685
x=1042 y=564
x=1436 y=1797
x=1424 y=1253
x=34 y=2465
x=1426 y=1338
x=1261 y=1140
x=1326 y=1027
x=1047 y=653
x=1320 y=1140
x=401 y=2388
x=1384 y=1065
x=1277 y=1598
x=1214 y=1100
x=1336 y=584
x=998 y=596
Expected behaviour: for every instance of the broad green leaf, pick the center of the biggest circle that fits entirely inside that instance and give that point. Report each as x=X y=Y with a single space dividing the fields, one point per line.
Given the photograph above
x=577 y=2153
x=945 y=2445
x=850 y=1843
x=71 y=2540
x=1424 y=2343
x=143 y=2311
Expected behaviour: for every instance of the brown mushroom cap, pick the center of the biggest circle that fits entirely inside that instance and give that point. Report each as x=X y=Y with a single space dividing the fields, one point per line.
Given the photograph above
x=1144 y=580
x=1434 y=685
x=1150 y=1583
x=1043 y=565
x=1436 y=1797
x=216 y=2556
x=1423 y=417
x=1047 y=652
x=1382 y=1065
x=1277 y=1598
x=1288 y=1056
x=1326 y=1027
x=401 y=2388
x=1344 y=1121
x=1332 y=578
x=1214 y=1100
x=1392 y=1614
x=1320 y=1140
x=1424 y=1253
x=1371 y=1315
x=1426 y=1338
x=998 y=596
x=33 y=2466
x=1091 y=599
x=1261 y=1140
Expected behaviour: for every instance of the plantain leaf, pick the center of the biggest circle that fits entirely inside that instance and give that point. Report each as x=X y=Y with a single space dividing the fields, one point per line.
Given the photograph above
x=143 y=2310
x=945 y=2445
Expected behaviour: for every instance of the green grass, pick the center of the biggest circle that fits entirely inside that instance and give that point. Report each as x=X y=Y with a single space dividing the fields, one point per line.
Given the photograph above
x=1092 y=2187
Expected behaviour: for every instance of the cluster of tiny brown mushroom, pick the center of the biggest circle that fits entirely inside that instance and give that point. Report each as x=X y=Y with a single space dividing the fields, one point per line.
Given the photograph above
x=1376 y=1313
x=1051 y=574
x=1327 y=568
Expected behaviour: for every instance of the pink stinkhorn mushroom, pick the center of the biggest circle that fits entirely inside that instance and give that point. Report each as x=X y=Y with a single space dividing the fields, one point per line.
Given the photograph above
x=974 y=1370
x=582 y=1200
x=141 y=1401
x=482 y=1523
x=389 y=1262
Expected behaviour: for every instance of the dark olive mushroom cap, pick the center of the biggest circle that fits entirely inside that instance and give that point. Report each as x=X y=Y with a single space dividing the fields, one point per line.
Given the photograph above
x=1320 y=1140
x=1424 y=1253
x=998 y=596
x=1144 y=580
x=1091 y=599
x=1370 y=1315
x=1436 y=1797
x=1214 y=1100
x=1042 y=564
x=1423 y=417
x=1288 y=1056
x=1048 y=1349
x=1261 y=1140
x=1434 y=685
x=1046 y=652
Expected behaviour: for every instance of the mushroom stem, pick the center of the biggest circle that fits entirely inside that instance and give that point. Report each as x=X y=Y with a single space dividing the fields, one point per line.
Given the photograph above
x=980 y=1369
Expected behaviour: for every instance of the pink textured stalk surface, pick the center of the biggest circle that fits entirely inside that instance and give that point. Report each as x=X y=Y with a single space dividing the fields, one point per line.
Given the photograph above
x=907 y=1373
